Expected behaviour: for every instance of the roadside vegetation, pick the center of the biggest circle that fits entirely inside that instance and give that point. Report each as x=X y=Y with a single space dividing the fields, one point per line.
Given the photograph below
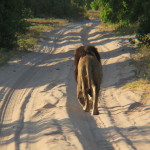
x=26 y=42
x=36 y=29
x=126 y=18
x=140 y=57
x=23 y=23
x=92 y=14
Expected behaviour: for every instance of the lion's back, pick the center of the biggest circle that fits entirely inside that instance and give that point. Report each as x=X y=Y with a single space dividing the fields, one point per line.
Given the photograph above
x=91 y=64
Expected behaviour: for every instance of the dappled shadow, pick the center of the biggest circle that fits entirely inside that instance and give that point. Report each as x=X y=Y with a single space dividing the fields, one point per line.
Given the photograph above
x=93 y=137
x=32 y=74
x=33 y=132
x=126 y=109
x=89 y=135
x=37 y=74
x=114 y=53
x=118 y=74
x=99 y=137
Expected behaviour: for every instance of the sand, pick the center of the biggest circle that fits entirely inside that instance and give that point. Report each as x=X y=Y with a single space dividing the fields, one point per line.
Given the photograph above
x=38 y=105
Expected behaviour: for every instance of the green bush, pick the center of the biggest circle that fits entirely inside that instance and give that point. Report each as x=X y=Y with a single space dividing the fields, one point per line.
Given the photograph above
x=53 y=8
x=11 y=22
x=125 y=12
x=141 y=13
x=13 y=12
x=95 y=5
x=27 y=43
x=113 y=10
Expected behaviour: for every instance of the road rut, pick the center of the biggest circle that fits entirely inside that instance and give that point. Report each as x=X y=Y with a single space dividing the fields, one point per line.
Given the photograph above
x=38 y=104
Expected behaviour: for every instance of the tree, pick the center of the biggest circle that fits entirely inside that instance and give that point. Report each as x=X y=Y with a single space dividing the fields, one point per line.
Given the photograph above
x=126 y=11
x=53 y=8
x=11 y=22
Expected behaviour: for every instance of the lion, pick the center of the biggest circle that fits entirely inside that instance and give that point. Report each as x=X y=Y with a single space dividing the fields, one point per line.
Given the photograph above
x=89 y=79
x=83 y=51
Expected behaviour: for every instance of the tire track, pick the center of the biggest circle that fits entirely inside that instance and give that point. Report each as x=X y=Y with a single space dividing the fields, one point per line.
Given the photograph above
x=11 y=98
x=20 y=123
x=125 y=142
x=90 y=134
x=116 y=113
x=57 y=120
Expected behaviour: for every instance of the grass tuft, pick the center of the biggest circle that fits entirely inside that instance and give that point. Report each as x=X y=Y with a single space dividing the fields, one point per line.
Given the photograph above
x=118 y=28
x=5 y=56
x=36 y=30
x=27 y=44
x=141 y=57
x=93 y=14
x=142 y=61
x=28 y=41
x=138 y=85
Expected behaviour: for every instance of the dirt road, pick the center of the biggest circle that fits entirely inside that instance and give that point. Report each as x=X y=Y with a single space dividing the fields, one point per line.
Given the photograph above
x=38 y=105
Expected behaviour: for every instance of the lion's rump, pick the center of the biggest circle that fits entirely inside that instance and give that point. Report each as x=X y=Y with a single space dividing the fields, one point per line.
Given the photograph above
x=81 y=52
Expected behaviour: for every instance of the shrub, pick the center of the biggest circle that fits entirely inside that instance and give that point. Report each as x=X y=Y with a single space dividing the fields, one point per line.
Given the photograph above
x=53 y=8
x=95 y=5
x=11 y=22
x=125 y=12
x=27 y=43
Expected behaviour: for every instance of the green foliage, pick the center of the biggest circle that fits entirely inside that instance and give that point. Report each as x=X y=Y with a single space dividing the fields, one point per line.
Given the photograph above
x=125 y=12
x=144 y=38
x=85 y=4
x=141 y=13
x=92 y=13
x=11 y=22
x=95 y=5
x=26 y=44
x=13 y=12
x=53 y=8
x=5 y=56
x=113 y=10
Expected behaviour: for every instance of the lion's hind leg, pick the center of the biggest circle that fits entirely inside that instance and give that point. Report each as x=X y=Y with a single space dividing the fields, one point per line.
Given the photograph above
x=85 y=95
x=86 y=105
x=79 y=93
x=95 y=101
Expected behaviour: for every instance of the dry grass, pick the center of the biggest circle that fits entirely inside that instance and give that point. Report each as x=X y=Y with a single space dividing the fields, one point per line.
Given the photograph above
x=141 y=59
x=138 y=85
x=92 y=14
x=27 y=42
x=35 y=31
x=103 y=27
x=118 y=29
x=142 y=62
x=141 y=87
x=6 y=56
x=45 y=25
x=48 y=21
x=41 y=28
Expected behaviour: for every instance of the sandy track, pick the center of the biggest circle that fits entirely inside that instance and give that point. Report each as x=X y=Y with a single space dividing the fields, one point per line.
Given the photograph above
x=38 y=105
